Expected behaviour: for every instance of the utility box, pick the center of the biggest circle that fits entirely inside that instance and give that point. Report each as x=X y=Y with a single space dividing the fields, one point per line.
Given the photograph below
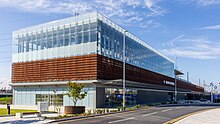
x=43 y=107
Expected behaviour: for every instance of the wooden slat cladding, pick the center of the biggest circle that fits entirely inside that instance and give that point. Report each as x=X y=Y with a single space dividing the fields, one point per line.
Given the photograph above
x=87 y=67
x=110 y=69
x=60 y=69
x=189 y=86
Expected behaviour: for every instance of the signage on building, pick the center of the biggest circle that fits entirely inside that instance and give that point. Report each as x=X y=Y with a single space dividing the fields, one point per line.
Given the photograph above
x=168 y=82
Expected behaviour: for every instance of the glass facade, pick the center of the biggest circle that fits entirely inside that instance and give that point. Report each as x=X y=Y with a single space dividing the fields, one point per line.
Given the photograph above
x=111 y=45
x=58 y=36
x=114 y=97
x=87 y=34
x=31 y=95
x=51 y=99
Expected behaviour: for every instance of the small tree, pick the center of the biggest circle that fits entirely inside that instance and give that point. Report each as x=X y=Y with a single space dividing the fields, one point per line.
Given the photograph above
x=75 y=91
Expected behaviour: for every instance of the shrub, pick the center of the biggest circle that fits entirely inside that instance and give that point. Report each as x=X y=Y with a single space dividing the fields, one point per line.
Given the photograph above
x=6 y=100
x=119 y=108
x=100 y=111
x=129 y=109
x=113 y=110
x=107 y=110
x=138 y=106
x=89 y=112
x=163 y=103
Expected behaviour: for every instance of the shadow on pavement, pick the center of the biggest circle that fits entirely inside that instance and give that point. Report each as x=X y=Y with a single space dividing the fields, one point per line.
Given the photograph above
x=176 y=105
x=20 y=122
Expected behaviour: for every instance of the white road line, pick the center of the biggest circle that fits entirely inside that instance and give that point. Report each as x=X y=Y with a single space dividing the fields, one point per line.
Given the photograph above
x=178 y=107
x=166 y=110
x=149 y=114
x=121 y=120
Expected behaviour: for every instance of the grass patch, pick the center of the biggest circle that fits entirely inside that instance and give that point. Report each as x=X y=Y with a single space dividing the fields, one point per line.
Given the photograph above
x=4 y=111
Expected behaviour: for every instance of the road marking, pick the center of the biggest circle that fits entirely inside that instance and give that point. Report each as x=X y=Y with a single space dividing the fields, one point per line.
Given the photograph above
x=121 y=120
x=149 y=114
x=178 y=107
x=103 y=116
x=166 y=110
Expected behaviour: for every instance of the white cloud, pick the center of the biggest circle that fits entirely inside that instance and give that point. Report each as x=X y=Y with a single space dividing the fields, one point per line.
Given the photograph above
x=4 y=82
x=131 y=11
x=213 y=27
x=200 y=3
x=149 y=3
x=203 y=3
x=192 y=47
x=171 y=42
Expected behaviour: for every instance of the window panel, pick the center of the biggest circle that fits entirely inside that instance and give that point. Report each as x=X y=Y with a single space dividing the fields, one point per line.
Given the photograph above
x=67 y=30
x=93 y=26
x=51 y=99
x=73 y=39
x=49 y=34
x=72 y=30
x=60 y=41
x=56 y=99
x=85 y=27
x=60 y=32
x=85 y=37
x=79 y=38
x=66 y=42
x=55 y=44
x=49 y=43
x=93 y=36
x=79 y=28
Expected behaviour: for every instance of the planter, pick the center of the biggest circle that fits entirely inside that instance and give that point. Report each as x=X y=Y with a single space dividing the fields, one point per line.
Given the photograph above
x=74 y=109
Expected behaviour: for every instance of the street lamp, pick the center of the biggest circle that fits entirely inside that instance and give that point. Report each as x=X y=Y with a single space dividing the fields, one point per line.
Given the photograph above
x=54 y=102
x=124 y=90
x=211 y=84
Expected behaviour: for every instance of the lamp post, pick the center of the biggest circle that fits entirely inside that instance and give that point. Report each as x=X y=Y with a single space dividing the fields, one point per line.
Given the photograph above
x=217 y=88
x=124 y=90
x=211 y=84
x=54 y=102
x=175 y=88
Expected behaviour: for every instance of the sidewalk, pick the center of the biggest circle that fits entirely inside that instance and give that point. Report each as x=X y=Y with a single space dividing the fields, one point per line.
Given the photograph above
x=207 y=117
x=28 y=119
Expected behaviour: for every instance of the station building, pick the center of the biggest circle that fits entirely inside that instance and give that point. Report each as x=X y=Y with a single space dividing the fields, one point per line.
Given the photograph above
x=88 y=49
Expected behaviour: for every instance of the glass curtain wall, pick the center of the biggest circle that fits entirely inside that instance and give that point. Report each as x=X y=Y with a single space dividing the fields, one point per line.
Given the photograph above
x=111 y=45
x=114 y=97
x=59 y=36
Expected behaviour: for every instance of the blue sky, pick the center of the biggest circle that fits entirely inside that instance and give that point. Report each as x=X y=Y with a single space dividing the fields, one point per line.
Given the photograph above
x=187 y=29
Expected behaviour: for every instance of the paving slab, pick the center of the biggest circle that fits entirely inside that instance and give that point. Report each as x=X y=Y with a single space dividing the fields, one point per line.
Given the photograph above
x=28 y=119
x=211 y=116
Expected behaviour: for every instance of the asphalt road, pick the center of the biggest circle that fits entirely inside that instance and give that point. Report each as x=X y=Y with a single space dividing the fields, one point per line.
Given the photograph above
x=154 y=115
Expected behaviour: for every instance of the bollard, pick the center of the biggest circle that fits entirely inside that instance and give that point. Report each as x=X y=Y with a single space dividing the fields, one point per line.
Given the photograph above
x=8 y=107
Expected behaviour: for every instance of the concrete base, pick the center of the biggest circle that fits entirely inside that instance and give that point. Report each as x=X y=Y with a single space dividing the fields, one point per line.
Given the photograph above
x=38 y=114
x=19 y=115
